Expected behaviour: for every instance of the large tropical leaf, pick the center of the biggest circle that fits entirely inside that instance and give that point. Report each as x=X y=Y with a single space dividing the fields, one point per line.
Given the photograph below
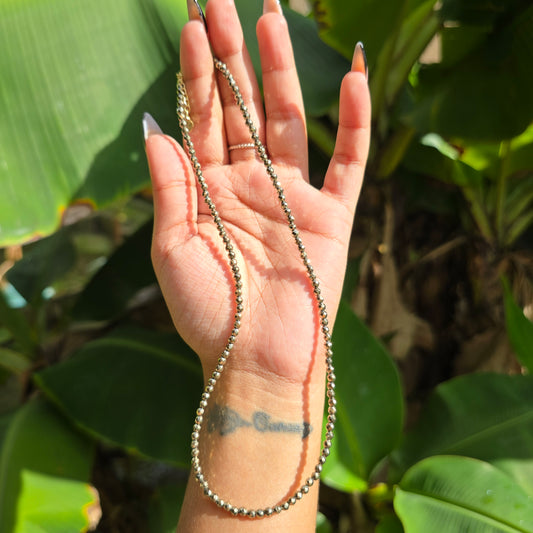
x=344 y=22
x=393 y=40
x=452 y=494
x=39 y=441
x=43 y=263
x=50 y=504
x=480 y=90
x=389 y=524
x=370 y=404
x=14 y=361
x=322 y=524
x=135 y=388
x=127 y=271
x=520 y=470
x=164 y=509
x=5 y=421
x=486 y=416
x=75 y=78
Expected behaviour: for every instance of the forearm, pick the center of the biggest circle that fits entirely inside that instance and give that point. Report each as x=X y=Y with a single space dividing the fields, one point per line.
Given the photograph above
x=260 y=442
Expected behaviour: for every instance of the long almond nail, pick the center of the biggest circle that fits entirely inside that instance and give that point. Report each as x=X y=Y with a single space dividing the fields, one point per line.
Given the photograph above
x=196 y=12
x=359 y=63
x=272 y=6
x=150 y=126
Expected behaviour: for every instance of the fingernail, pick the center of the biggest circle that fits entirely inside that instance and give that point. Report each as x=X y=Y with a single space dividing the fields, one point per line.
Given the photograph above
x=272 y=6
x=150 y=126
x=196 y=12
x=359 y=62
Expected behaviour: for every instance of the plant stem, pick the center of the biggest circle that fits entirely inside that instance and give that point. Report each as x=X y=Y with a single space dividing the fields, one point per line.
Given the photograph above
x=478 y=214
x=378 y=82
x=394 y=151
x=517 y=227
x=420 y=27
x=16 y=323
x=13 y=361
x=501 y=189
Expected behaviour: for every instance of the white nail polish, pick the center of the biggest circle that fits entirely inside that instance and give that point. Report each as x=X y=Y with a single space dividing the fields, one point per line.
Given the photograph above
x=272 y=6
x=150 y=126
x=195 y=11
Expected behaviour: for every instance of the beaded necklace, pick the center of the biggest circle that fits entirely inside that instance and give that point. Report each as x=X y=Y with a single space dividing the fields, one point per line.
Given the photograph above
x=186 y=124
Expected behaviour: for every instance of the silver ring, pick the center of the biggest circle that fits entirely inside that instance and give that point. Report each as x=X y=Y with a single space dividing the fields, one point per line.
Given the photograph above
x=239 y=146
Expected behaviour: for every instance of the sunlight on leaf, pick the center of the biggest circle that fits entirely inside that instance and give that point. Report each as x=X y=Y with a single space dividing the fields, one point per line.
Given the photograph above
x=40 y=441
x=486 y=416
x=49 y=504
x=433 y=496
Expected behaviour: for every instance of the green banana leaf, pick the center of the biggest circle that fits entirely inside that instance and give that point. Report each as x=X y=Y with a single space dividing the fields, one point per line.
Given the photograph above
x=389 y=524
x=43 y=262
x=480 y=91
x=125 y=273
x=480 y=87
x=75 y=79
x=39 y=442
x=5 y=421
x=13 y=361
x=164 y=509
x=344 y=22
x=134 y=388
x=485 y=416
x=53 y=505
x=369 y=404
x=452 y=494
x=520 y=470
x=322 y=524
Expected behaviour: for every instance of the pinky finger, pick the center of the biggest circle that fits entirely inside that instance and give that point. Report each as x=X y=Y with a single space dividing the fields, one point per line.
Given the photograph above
x=346 y=169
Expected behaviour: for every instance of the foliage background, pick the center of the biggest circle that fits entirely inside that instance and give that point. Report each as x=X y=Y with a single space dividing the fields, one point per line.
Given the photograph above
x=435 y=398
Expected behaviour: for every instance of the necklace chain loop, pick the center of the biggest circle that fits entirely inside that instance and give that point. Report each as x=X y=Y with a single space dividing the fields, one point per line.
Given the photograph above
x=186 y=125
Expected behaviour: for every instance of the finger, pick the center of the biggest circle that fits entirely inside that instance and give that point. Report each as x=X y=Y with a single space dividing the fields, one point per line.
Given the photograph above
x=285 y=115
x=346 y=169
x=208 y=134
x=174 y=191
x=227 y=41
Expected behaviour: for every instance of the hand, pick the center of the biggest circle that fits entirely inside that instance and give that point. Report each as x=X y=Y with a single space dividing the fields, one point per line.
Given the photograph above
x=276 y=369
x=279 y=332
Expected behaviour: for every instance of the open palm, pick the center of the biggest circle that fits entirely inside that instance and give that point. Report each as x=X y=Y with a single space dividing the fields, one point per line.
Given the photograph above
x=279 y=327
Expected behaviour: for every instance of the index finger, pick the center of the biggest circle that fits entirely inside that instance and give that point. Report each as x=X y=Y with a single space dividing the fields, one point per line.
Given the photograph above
x=196 y=60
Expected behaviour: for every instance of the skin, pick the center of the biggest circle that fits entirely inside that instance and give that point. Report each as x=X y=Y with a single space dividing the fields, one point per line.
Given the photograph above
x=277 y=365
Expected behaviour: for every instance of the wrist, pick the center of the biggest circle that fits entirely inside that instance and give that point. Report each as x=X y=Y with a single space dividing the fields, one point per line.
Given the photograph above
x=268 y=428
x=258 y=458
x=255 y=388
x=266 y=424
